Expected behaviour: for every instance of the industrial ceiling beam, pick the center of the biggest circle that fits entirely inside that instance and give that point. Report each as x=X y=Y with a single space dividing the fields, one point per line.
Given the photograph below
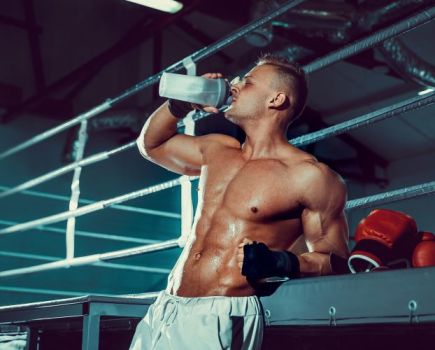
x=17 y=23
x=135 y=36
x=201 y=37
x=35 y=49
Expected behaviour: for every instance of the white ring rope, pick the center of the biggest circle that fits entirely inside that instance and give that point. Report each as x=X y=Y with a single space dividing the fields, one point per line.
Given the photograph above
x=100 y=264
x=349 y=50
x=407 y=105
x=394 y=110
x=51 y=132
x=91 y=259
x=392 y=196
x=386 y=197
x=186 y=185
x=129 y=208
x=75 y=190
x=88 y=234
x=63 y=293
x=370 y=118
x=65 y=169
x=90 y=208
x=195 y=57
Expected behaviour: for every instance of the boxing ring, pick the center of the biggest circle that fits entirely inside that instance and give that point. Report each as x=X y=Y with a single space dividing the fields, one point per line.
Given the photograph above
x=315 y=302
x=299 y=308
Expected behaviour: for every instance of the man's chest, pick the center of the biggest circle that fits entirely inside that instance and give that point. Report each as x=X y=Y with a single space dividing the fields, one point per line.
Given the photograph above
x=257 y=190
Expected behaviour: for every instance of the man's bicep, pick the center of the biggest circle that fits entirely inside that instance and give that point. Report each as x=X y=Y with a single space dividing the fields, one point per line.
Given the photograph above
x=326 y=232
x=181 y=154
x=323 y=219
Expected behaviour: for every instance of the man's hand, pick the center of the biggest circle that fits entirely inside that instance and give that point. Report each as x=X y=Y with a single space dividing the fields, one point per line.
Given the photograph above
x=208 y=109
x=240 y=253
x=258 y=263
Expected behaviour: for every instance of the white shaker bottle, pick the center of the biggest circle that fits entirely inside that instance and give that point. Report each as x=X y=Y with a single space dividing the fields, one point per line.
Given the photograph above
x=194 y=89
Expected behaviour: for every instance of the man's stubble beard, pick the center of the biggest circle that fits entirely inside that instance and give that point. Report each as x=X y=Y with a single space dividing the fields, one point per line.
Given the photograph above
x=236 y=117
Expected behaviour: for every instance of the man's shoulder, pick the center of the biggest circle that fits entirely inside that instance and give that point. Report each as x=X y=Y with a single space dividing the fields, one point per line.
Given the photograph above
x=311 y=171
x=321 y=185
x=316 y=172
x=220 y=140
x=301 y=161
x=212 y=143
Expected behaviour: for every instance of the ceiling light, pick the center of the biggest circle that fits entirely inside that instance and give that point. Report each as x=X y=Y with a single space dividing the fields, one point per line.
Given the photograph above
x=170 y=6
x=424 y=92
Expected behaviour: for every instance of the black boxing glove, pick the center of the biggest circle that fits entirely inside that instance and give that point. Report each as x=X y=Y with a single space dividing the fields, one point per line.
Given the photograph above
x=260 y=262
x=179 y=109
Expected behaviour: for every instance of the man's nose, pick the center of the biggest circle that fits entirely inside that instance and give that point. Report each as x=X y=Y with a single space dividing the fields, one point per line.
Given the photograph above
x=234 y=90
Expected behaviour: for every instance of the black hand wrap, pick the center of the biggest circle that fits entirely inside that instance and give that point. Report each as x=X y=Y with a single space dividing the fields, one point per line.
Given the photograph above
x=260 y=262
x=179 y=109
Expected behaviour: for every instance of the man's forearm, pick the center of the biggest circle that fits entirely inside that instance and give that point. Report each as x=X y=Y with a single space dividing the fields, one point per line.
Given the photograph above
x=158 y=129
x=315 y=264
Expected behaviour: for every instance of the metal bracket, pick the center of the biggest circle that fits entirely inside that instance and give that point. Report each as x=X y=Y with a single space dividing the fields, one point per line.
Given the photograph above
x=332 y=312
x=267 y=315
x=412 y=307
x=189 y=65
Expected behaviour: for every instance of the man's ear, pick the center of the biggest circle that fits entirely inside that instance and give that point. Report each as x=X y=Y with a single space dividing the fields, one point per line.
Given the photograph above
x=279 y=101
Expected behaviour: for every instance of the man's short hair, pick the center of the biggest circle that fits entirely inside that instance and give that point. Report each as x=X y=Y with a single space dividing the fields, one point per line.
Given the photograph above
x=293 y=76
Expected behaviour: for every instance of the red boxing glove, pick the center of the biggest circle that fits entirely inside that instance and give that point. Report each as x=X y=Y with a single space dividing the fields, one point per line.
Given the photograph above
x=424 y=252
x=382 y=238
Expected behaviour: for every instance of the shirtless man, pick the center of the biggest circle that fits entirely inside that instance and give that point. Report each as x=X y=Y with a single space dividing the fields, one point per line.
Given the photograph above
x=265 y=190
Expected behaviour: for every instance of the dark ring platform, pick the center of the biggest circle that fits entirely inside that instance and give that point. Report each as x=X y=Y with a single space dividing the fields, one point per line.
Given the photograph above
x=330 y=309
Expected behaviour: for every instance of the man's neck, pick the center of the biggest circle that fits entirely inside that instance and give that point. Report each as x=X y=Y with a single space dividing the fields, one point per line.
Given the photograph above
x=262 y=141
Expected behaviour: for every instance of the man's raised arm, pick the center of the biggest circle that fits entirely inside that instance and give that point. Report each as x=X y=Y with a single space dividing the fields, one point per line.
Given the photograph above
x=160 y=142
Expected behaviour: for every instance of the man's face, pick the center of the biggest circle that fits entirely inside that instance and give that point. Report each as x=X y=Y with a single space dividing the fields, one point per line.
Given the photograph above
x=251 y=94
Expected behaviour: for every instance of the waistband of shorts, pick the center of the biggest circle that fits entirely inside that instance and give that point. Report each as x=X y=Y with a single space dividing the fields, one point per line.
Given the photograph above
x=186 y=300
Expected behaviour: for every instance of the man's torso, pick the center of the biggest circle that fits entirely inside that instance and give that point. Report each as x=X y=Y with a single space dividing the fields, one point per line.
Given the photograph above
x=238 y=198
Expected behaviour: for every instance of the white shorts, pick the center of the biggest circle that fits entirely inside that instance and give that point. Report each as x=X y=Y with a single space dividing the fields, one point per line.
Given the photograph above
x=216 y=322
